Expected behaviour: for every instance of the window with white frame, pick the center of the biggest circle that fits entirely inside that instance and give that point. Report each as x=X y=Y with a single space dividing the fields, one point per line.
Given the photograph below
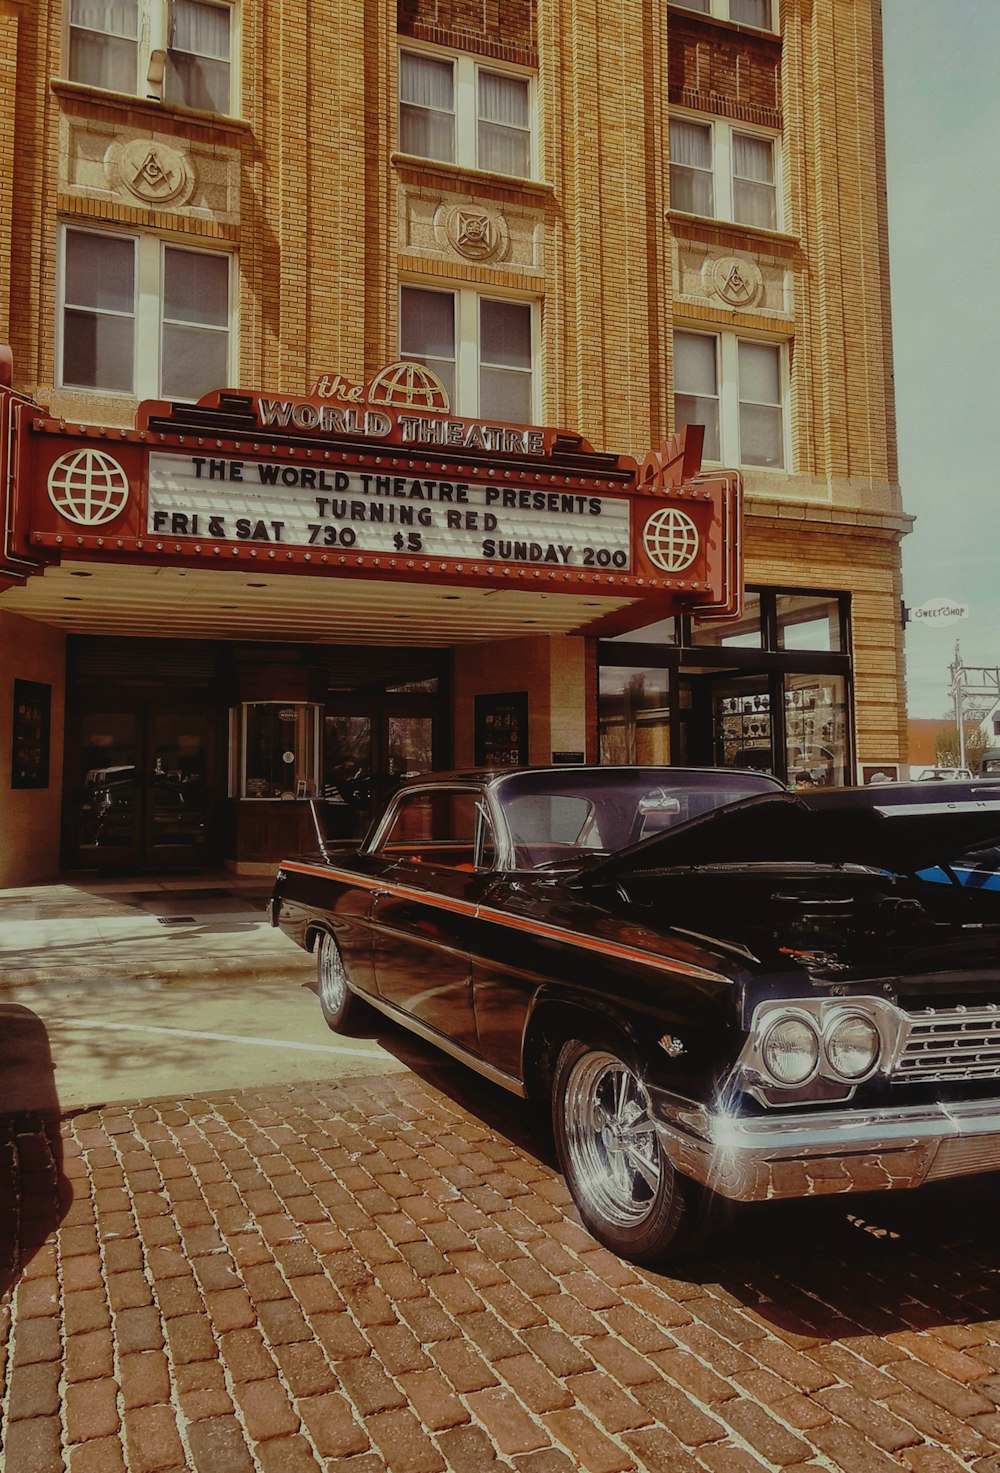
x=725 y=172
x=177 y=51
x=735 y=387
x=142 y=317
x=482 y=349
x=462 y=111
x=761 y=14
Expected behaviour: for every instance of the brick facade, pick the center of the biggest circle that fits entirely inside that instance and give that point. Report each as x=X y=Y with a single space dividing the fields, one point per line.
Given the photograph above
x=307 y=188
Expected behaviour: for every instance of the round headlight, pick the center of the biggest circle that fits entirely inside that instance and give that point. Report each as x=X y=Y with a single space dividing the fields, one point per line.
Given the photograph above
x=852 y=1046
x=790 y=1050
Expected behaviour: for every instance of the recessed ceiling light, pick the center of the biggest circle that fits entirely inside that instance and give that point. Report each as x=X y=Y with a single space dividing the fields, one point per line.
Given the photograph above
x=256 y=585
x=77 y=573
x=70 y=598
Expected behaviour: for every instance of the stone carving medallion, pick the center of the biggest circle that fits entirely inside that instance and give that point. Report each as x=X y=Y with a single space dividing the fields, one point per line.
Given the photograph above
x=474 y=232
x=151 y=171
x=737 y=281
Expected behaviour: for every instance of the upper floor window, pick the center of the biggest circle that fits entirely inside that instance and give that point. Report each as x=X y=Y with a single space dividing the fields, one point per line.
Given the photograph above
x=482 y=349
x=758 y=13
x=721 y=171
x=735 y=387
x=460 y=111
x=170 y=50
x=143 y=318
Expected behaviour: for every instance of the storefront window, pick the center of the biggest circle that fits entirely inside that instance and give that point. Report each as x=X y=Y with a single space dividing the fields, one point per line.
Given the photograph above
x=742 y=724
x=809 y=622
x=816 y=730
x=279 y=750
x=741 y=633
x=634 y=707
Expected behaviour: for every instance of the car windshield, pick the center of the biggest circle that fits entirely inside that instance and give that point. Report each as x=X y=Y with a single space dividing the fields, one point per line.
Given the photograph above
x=553 y=816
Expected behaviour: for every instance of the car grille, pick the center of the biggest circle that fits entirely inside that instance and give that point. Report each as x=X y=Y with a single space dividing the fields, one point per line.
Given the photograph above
x=952 y=1043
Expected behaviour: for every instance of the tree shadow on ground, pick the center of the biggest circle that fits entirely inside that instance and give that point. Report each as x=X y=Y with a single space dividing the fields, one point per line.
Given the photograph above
x=34 y=1194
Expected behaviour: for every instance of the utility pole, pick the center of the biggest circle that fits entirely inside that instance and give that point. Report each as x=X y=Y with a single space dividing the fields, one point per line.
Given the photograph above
x=958 y=695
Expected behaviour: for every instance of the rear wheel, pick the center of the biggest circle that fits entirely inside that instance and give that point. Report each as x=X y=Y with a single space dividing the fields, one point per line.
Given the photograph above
x=341 y=1009
x=627 y=1192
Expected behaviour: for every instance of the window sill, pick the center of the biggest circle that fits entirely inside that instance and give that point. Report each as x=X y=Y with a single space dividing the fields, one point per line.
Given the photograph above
x=413 y=163
x=777 y=238
x=173 y=111
x=739 y=28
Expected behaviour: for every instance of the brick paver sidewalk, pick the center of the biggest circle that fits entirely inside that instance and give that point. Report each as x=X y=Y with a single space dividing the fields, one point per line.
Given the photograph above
x=365 y=1276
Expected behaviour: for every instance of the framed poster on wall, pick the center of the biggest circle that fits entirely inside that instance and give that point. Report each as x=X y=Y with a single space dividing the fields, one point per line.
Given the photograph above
x=30 y=737
x=502 y=729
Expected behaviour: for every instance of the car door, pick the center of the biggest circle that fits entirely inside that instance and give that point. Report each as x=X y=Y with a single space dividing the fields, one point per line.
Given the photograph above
x=437 y=852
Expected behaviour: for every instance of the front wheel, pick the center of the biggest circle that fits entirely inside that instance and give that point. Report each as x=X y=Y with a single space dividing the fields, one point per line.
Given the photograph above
x=627 y=1192
x=341 y=1009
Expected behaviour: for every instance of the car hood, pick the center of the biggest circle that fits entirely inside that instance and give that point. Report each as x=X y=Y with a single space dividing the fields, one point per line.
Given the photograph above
x=902 y=831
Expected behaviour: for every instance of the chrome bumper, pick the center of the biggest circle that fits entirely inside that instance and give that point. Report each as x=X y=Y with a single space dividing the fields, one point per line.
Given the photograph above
x=795 y=1155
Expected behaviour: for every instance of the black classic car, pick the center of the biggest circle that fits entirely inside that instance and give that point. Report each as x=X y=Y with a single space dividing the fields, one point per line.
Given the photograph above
x=720 y=986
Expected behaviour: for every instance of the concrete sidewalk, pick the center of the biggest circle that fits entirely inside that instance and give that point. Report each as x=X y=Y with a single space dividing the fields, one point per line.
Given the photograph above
x=88 y=925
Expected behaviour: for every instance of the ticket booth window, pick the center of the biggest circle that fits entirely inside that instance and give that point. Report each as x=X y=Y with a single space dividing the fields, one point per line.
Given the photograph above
x=277 y=746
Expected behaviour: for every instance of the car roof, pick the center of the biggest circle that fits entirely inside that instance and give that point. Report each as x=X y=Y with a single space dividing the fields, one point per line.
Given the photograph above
x=494 y=775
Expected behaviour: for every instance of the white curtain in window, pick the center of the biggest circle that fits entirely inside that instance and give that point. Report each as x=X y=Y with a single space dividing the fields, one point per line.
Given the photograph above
x=503 y=99
x=760 y=373
x=504 y=135
x=695 y=364
x=691 y=144
x=754 y=195
x=753 y=158
x=426 y=82
x=112 y=17
x=201 y=29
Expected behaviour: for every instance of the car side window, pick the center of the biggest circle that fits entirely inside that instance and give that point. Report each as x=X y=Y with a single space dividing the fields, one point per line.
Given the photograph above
x=446 y=826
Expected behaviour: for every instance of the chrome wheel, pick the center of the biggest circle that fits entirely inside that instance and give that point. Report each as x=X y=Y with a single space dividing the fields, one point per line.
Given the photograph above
x=616 y=1159
x=623 y=1183
x=341 y=1008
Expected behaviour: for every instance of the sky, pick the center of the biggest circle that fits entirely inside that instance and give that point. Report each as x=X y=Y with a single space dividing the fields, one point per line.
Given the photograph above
x=942 y=84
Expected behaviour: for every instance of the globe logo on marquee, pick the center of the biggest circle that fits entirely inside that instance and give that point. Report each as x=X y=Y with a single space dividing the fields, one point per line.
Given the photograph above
x=671 y=540
x=88 y=487
x=408 y=385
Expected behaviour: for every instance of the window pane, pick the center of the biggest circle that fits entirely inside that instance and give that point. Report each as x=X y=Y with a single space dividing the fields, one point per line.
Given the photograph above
x=505 y=334
x=760 y=373
x=427 y=324
x=196 y=288
x=201 y=29
x=815 y=730
x=195 y=360
x=742 y=633
x=754 y=196
x=695 y=363
x=113 y=17
x=634 y=716
x=809 y=622
x=505 y=395
x=691 y=185
x=696 y=380
x=198 y=60
x=427 y=332
x=98 y=351
x=751 y=13
x=503 y=100
x=760 y=436
x=426 y=82
x=98 y=344
x=280 y=750
x=504 y=150
x=504 y=120
x=103 y=61
x=426 y=112
x=100 y=272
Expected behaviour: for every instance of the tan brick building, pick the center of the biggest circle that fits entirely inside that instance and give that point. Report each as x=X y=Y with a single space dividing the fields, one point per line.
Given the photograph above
x=614 y=218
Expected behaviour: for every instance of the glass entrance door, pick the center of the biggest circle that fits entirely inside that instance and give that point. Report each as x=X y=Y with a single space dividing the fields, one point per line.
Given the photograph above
x=141 y=795
x=370 y=744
